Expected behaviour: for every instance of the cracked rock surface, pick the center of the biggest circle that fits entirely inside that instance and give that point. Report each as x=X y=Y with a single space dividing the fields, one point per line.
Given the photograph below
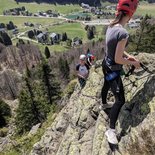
x=80 y=126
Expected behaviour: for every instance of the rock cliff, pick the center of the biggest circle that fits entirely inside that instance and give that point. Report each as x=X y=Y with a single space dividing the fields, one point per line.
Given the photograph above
x=80 y=126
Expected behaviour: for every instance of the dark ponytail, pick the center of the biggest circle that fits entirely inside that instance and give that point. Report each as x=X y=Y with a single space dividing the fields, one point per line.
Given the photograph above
x=118 y=18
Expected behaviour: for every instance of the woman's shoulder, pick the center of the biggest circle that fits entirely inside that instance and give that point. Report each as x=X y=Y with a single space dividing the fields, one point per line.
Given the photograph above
x=117 y=28
x=123 y=30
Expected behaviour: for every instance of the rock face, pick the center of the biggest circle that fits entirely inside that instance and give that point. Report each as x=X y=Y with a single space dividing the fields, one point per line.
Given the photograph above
x=13 y=62
x=80 y=126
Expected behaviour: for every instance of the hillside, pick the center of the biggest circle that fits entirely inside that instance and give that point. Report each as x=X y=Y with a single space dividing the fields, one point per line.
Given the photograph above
x=79 y=127
x=91 y=2
x=13 y=64
x=43 y=111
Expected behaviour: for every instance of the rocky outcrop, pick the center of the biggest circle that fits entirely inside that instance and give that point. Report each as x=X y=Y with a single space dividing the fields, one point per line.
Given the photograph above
x=80 y=126
x=13 y=64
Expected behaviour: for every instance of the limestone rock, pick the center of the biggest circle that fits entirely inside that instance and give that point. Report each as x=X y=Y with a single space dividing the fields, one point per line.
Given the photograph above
x=34 y=129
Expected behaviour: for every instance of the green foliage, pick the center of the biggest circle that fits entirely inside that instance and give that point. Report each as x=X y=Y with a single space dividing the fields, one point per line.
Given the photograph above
x=69 y=42
x=64 y=68
x=4 y=38
x=64 y=36
x=104 y=29
x=5 y=112
x=91 y=30
x=4 y=109
x=24 y=143
x=33 y=104
x=143 y=40
x=51 y=86
x=70 y=88
x=47 y=52
x=12 y=152
x=29 y=109
x=34 y=7
x=36 y=98
x=3 y=132
x=145 y=8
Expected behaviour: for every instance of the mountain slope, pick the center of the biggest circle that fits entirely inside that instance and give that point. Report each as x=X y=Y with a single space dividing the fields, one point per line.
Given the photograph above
x=13 y=64
x=80 y=126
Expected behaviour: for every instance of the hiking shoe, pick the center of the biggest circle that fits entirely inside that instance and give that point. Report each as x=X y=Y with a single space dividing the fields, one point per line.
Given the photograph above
x=106 y=106
x=111 y=136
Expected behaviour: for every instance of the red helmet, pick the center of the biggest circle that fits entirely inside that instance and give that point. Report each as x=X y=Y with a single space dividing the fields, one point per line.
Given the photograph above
x=89 y=55
x=93 y=57
x=127 y=6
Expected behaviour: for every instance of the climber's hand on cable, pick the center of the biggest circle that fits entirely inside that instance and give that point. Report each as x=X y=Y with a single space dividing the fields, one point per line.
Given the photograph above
x=136 y=64
x=131 y=58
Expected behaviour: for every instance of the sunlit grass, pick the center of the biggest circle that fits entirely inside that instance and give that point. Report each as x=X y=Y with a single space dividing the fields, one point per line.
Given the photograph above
x=35 y=7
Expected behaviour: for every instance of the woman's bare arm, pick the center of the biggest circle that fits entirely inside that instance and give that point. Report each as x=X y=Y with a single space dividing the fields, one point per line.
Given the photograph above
x=119 y=55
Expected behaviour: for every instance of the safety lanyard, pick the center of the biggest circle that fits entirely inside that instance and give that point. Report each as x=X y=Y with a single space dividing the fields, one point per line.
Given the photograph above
x=133 y=68
x=130 y=72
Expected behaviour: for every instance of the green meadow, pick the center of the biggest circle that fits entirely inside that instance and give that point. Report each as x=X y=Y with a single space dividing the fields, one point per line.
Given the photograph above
x=19 y=21
x=72 y=30
x=35 y=7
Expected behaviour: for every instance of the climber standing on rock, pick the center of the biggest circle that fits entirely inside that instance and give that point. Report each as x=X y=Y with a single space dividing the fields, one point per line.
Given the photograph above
x=82 y=70
x=90 y=59
x=115 y=57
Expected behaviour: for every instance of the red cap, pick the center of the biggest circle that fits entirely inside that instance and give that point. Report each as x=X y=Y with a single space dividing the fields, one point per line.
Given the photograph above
x=92 y=57
x=127 y=6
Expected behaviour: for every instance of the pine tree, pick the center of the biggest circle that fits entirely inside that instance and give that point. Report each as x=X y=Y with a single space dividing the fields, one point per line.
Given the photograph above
x=5 y=112
x=86 y=27
x=5 y=39
x=33 y=105
x=69 y=42
x=64 y=68
x=67 y=70
x=88 y=51
x=47 y=52
x=64 y=36
x=50 y=85
x=90 y=33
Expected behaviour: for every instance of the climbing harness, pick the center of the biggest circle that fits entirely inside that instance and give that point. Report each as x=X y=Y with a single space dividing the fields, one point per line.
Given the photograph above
x=112 y=69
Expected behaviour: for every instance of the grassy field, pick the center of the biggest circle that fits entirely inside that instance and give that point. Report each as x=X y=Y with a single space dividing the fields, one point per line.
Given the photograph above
x=143 y=8
x=72 y=30
x=19 y=21
x=53 y=48
x=146 y=8
x=34 y=7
